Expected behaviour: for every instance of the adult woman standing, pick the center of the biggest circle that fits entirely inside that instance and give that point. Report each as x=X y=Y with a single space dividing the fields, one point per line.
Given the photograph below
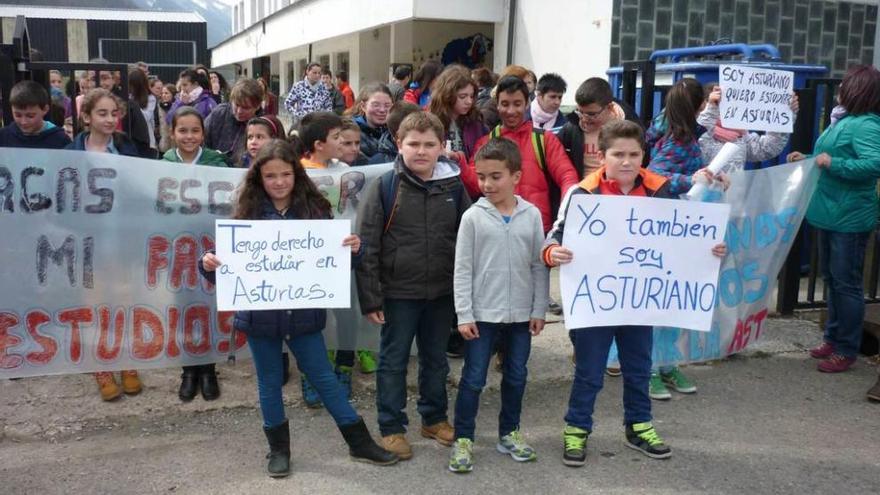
x=844 y=211
x=453 y=103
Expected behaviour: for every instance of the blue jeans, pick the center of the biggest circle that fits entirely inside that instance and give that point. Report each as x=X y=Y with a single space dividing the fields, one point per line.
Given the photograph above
x=842 y=259
x=311 y=359
x=477 y=356
x=591 y=347
x=427 y=321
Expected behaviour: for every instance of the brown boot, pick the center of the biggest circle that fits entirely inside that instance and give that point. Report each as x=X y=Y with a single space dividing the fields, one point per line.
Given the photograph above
x=396 y=443
x=131 y=384
x=107 y=386
x=442 y=432
x=874 y=393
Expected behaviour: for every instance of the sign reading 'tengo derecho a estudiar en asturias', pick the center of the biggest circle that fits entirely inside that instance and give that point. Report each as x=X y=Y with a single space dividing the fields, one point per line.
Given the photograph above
x=283 y=264
x=641 y=261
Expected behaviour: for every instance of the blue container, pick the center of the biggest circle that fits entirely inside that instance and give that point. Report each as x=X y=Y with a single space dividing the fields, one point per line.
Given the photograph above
x=706 y=70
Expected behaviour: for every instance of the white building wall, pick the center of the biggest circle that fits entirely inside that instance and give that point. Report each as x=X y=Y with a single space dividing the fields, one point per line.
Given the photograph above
x=569 y=37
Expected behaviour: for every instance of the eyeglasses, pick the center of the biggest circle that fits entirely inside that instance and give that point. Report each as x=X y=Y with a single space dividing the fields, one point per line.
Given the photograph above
x=379 y=106
x=589 y=115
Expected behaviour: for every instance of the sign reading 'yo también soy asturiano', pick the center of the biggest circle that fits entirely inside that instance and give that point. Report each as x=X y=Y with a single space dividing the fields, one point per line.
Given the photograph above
x=641 y=261
x=756 y=99
x=283 y=264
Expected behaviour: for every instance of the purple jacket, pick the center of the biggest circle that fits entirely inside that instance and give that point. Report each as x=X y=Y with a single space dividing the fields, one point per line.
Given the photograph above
x=470 y=134
x=203 y=104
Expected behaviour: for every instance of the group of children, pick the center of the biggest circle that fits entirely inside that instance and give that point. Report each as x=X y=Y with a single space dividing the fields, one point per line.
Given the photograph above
x=425 y=257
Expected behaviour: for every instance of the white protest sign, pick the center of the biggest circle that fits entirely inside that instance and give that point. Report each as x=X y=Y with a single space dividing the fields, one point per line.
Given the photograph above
x=641 y=261
x=283 y=264
x=756 y=99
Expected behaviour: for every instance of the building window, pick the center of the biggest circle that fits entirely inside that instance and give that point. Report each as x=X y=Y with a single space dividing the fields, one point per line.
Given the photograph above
x=291 y=76
x=254 y=11
x=235 y=26
x=261 y=10
x=301 y=66
x=324 y=60
x=342 y=62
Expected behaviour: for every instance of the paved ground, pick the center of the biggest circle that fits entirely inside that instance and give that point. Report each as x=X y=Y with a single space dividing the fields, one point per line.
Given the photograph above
x=762 y=422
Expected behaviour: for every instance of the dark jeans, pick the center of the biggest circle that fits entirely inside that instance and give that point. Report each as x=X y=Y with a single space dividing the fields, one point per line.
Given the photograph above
x=428 y=322
x=477 y=356
x=311 y=359
x=842 y=259
x=591 y=347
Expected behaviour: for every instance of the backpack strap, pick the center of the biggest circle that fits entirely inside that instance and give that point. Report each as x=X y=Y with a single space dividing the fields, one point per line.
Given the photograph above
x=538 y=145
x=496 y=131
x=389 y=186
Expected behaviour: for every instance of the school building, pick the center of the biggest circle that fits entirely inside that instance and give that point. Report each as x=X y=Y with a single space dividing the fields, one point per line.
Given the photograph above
x=167 y=41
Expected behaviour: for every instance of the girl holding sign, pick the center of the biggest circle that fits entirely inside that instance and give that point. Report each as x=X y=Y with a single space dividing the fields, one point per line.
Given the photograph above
x=276 y=187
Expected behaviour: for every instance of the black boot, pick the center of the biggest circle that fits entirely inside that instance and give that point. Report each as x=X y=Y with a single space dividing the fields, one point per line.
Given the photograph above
x=279 y=450
x=362 y=448
x=189 y=384
x=208 y=382
x=285 y=368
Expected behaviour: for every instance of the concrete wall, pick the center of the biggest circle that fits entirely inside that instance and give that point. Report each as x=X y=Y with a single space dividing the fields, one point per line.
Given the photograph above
x=374 y=58
x=569 y=37
x=77 y=40
x=8 y=29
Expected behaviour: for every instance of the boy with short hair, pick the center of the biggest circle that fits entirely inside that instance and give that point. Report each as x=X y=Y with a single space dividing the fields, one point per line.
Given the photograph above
x=388 y=143
x=30 y=104
x=621 y=145
x=501 y=293
x=321 y=134
x=544 y=109
x=408 y=220
x=350 y=147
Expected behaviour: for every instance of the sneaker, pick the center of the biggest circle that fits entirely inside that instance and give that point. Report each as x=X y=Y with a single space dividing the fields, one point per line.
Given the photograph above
x=442 y=432
x=554 y=308
x=367 y=361
x=643 y=437
x=515 y=445
x=657 y=389
x=836 y=363
x=823 y=351
x=309 y=394
x=574 y=440
x=343 y=376
x=612 y=372
x=131 y=383
x=678 y=381
x=107 y=386
x=874 y=393
x=461 y=460
x=396 y=443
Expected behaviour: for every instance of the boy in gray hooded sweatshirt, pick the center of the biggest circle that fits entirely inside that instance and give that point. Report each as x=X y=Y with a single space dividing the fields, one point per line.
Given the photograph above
x=501 y=292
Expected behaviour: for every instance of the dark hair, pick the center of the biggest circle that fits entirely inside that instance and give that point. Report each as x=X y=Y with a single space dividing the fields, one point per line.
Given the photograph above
x=511 y=84
x=452 y=80
x=270 y=122
x=313 y=64
x=483 y=77
x=620 y=129
x=342 y=76
x=708 y=87
x=325 y=71
x=860 y=90
x=307 y=200
x=682 y=104
x=503 y=150
x=427 y=73
x=196 y=78
x=222 y=80
x=401 y=72
x=28 y=94
x=398 y=112
x=171 y=89
x=594 y=90
x=186 y=111
x=139 y=87
x=421 y=121
x=316 y=126
x=551 y=82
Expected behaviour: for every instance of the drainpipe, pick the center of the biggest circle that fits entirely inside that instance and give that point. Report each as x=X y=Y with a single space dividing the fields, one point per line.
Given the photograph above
x=511 y=22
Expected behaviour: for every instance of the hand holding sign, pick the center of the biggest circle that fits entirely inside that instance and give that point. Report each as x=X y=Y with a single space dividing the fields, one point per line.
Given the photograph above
x=756 y=99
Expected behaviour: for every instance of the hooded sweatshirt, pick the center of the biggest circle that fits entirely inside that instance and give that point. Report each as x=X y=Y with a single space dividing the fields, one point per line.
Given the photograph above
x=499 y=274
x=51 y=137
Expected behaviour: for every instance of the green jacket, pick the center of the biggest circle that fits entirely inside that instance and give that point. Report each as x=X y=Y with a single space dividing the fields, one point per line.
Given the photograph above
x=209 y=157
x=846 y=196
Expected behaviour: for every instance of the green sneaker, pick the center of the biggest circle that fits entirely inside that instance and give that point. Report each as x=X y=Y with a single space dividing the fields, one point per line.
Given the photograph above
x=643 y=437
x=678 y=381
x=515 y=445
x=461 y=460
x=367 y=361
x=575 y=442
x=657 y=389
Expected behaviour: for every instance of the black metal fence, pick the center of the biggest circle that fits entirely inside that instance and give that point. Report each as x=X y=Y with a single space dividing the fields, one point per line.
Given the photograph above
x=800 y=277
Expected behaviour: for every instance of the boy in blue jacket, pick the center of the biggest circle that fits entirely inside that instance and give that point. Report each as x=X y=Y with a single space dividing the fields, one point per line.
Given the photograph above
x=30 y=104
